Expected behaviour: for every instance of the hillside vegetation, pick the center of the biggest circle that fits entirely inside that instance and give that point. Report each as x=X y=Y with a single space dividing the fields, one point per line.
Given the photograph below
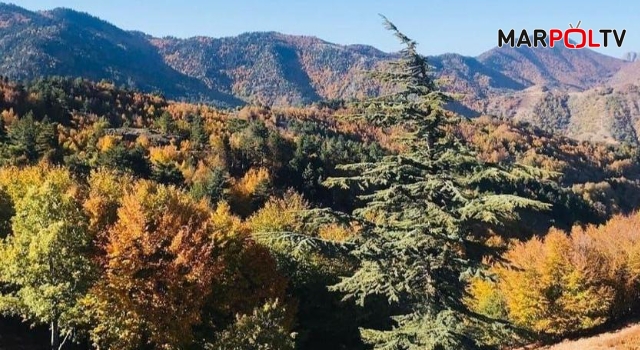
x=274 y=69
x=131 y=221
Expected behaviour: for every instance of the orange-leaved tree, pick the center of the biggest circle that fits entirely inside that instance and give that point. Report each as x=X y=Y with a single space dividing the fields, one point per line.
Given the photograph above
x=165 y=256
x=162 y=254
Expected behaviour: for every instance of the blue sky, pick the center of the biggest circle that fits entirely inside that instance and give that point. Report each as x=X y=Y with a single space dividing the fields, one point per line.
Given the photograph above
x=466 y=27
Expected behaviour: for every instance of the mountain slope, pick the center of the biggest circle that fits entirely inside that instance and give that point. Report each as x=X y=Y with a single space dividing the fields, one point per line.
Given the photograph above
x=274 y=68
x=553 y=88
x=629 y=74
x=69 y=43
x=608 y=114
x=623 y=339
x=557 y=67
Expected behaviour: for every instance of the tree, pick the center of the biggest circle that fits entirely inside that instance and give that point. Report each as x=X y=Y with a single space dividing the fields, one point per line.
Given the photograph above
x=251 y=191
x=160 y=262
x=562 y=284
x=323 y=320
x=167 y=173
x=212 y=186
x=172 y=265
x=106 y=188
x=558 y=285
x=165 y=123
x=198 y=134
x=44 y=263
x=262 y=330
x=3 y=130
x=425 y=207
x=23 y=134
x=46 y=137
x=126 y=160
x=6 y=213
x=31 y=139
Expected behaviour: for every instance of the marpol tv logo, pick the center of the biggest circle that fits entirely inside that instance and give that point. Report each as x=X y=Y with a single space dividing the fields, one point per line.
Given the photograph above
x=571 y=38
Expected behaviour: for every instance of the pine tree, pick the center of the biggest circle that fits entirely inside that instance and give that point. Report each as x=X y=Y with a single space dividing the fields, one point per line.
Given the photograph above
x=213 y=187
x=165 y=123
x=32 y=139
x=46 y=141
x=198 y=134
x=425 y=206
x=23 y=134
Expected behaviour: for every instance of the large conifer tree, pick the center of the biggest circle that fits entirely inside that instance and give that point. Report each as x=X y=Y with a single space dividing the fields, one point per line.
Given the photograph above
x=426 y=205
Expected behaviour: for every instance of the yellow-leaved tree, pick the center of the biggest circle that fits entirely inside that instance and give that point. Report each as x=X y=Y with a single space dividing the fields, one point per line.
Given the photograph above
x=566 y=282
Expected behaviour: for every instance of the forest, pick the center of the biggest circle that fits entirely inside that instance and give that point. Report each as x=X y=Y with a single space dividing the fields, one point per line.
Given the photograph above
x=129 y=221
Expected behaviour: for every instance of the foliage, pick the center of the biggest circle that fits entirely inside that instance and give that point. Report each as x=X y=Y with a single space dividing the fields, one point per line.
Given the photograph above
x=45 y=268
x=261 y=330
x=212 y=186
x=416 y=199
x=251 y=191
x=425 y=207
x=562 y=284
x=162 y=256
x=29 y=140
x=486 y=299
x=125 y=160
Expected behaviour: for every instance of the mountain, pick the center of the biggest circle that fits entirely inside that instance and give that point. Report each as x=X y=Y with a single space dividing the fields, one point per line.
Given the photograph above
x=606 y=114
x=68 y=43
x=603 y=106
x=629 y=74
x=274 y=68
x=552 y=67
x=557 y=88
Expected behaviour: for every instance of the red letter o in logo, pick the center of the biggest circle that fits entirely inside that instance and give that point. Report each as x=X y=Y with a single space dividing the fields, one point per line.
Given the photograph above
x=582 y=44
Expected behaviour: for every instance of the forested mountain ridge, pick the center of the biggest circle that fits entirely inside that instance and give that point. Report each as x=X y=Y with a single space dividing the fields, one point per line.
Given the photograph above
x=273 y=68
x=277 y=69
x=68 y=43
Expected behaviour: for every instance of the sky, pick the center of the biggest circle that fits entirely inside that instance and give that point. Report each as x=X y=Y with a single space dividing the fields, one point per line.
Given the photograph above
x=466 y=27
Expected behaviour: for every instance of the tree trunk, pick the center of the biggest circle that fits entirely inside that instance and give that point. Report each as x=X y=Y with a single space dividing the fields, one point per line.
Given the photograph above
x=55 y=340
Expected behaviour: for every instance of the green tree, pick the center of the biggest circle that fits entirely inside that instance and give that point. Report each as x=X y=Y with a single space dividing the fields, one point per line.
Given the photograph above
x=46 y=142
x=6 y=213
x=167 y=173
x=3 y=130
x=44 y=266
x=22 y=135
x=213 y=187
x=121 y=158
x=165 y=123
x=262 y=330
x=425 y=207
x=31 y=139
x=198 y=135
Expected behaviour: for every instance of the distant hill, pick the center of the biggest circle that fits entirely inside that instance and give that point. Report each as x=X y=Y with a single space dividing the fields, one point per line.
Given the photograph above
x=69 y=43
x=274 y=68
x=629 y=74
x=558 y=67
x=608 y=114
x=559 y=89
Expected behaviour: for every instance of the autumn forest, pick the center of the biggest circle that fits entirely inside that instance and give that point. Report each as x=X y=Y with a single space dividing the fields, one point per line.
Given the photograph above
x=132 y=221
